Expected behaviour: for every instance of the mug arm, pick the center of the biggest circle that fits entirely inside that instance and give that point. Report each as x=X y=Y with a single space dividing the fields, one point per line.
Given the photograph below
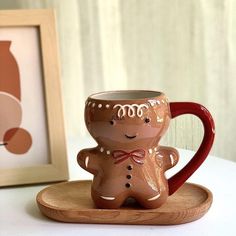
x=181 y=108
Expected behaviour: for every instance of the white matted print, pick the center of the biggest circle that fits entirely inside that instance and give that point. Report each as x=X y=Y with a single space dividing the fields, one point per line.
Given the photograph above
x=24 y=45
x=32 y=138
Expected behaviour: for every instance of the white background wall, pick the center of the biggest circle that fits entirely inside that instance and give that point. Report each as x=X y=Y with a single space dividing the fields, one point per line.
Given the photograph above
x=185 y=48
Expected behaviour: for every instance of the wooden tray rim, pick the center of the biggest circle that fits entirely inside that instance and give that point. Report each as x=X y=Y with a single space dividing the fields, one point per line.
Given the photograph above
x=40 y=201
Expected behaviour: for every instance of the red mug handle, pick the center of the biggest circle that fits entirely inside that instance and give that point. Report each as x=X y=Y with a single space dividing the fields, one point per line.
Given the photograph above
x=181 y=108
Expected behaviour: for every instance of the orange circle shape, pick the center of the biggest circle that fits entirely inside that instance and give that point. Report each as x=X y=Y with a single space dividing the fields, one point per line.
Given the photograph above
x=18 y=140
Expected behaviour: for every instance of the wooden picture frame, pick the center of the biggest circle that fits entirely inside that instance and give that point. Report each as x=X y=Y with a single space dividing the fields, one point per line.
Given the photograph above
x=14 y=169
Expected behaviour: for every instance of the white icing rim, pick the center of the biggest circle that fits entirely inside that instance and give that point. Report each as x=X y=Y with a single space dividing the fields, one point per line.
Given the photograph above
x=160 y=155
x=107 y=198
x=150 y=150
x=159 y=120
x=129 y=110
x=154 y=198
x=155 y=102
x=86 y=161
x=172 y=160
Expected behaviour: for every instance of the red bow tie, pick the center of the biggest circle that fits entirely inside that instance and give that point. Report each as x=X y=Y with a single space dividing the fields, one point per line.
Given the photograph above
x=136 y=155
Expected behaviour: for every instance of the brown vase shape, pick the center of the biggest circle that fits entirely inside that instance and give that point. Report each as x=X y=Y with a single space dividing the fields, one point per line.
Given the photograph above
x=9 y=72
x=14 y=138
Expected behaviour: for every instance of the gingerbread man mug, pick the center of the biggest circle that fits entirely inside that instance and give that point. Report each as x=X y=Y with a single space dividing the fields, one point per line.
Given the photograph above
x=128 y=161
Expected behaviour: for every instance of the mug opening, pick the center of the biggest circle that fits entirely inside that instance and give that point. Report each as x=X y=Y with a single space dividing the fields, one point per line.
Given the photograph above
x=126 y=95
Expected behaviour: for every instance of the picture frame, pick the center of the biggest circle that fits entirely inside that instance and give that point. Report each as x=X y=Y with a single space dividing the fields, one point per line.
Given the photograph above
x=32 y=136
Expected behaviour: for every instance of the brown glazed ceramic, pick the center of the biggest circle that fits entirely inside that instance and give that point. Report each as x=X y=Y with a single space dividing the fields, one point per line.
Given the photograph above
x=14 y=138
x=128 y=161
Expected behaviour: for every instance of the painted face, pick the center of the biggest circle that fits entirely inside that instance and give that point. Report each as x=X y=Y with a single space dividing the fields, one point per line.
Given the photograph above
x=127 y=126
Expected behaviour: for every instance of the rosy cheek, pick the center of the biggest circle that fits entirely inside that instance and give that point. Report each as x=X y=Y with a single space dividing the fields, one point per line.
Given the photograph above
x=146 y=131
x=105 y=130
x=100 y=129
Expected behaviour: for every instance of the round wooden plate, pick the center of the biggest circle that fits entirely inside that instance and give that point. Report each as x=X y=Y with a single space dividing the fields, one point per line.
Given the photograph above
x=71 y=202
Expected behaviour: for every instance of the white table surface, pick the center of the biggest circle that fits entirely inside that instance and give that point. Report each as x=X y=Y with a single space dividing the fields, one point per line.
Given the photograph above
x=19 y=214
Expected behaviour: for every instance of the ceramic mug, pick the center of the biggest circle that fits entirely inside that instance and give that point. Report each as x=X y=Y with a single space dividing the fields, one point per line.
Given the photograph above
x=128 y=161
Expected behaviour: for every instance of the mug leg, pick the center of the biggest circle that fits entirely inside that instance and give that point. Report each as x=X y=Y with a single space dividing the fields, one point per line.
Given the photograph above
x=151 y=201
x=106 y=201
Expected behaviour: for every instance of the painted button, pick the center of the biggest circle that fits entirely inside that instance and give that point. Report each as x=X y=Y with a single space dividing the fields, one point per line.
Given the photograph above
x=129 y=167
x=127 y=185
x=128 y=176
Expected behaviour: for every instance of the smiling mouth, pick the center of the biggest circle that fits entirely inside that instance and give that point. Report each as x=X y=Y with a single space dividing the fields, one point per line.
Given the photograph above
x=130 y=137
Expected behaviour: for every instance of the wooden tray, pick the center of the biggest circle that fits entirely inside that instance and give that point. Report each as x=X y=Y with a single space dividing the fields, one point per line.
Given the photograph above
x=71 y=202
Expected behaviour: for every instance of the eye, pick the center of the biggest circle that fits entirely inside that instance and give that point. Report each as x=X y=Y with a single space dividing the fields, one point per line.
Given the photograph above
x=147 y=120
x=112 y=122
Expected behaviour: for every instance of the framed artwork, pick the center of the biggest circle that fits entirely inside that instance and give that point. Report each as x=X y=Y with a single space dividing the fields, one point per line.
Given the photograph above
x=32 y=139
